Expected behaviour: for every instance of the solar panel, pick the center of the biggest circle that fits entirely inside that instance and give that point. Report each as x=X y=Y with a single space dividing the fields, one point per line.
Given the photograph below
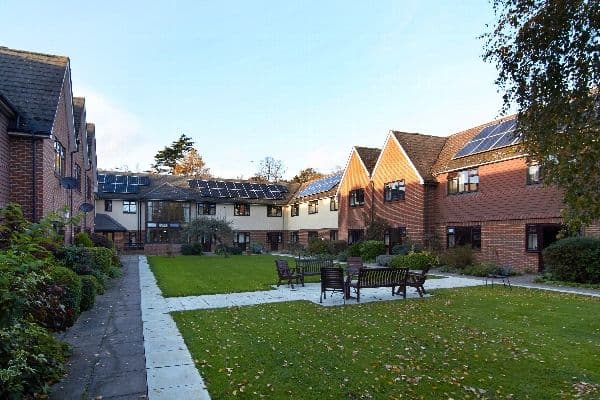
x=144 y=181
x=221 y=185
x=320 y=185
x=101 y=178
x=269 y=195
x=109 y=179
x=205 y=192
x=490 y=138
x=121 y=179
x=230 y=185
x=107 y=188
x=120 y=187
x=133 y=180
x=243 y=193
x=132 y=189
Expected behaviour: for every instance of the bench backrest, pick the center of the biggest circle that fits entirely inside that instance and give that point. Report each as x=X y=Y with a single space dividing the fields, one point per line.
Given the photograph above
x=376 y=277
x=332 y=278
x=283 y=269
x=314 y=264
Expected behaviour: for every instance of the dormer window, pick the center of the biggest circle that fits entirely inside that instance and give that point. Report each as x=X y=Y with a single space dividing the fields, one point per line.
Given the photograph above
x=463 y=181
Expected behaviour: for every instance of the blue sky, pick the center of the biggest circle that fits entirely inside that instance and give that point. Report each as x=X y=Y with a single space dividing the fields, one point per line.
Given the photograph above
x=299 y=81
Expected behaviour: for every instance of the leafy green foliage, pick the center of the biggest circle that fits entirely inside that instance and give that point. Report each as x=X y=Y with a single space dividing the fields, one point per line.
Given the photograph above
x=191 y=249
x=224 y=250
x=406 y=247
x=370 y=249
x=218 y=228
x=354 y=250
x=318 y=246
x=194 y=275
x=415 y=260
x=462 y=343
x=257 y=248
x=336 y=247
x=83 y=239
x=89 y=289
x=101 y=241
x=458 y=257
x=546 y=53
x=166 y=159
x=574 y=259
x=30 y=359
x=376 y=228
x=70 y=295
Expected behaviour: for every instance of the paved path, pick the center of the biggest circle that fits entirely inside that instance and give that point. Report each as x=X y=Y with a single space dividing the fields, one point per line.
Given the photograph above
x=108 y=347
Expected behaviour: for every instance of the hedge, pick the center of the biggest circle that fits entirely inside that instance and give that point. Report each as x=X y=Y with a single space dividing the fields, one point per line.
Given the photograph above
x=70 y=296
x=574 y=259
x=89 y=289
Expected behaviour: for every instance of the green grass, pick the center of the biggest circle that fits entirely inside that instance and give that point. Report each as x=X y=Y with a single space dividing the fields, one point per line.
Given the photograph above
x=472 y=343
x=197 y=275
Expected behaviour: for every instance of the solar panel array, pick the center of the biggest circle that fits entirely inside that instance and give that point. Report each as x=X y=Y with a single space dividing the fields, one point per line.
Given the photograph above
x=320 y=185
x=238 y=190
x=111 y=183
x=490 y=138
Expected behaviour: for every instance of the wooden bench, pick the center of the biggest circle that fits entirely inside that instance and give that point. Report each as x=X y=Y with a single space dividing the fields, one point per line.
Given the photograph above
x=285 y=273
x=381 y=277
x=312 y=266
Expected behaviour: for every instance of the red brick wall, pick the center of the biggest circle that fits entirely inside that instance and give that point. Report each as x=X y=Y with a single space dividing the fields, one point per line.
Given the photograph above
x=20 y=172
x=410 y=212
x=355 y=177
x=4 y=161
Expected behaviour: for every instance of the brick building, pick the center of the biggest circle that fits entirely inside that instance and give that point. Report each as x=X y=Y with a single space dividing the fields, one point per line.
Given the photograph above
x=476 y=187
x=44 y=138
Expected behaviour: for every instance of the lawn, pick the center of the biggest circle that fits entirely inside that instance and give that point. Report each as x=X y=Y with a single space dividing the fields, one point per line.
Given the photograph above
x=197 y=275
x=480 y=342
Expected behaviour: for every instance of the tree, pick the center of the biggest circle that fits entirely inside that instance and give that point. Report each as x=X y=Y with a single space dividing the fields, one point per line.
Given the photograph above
x=307 y=174
x=166 y=159
x=269 y=170
x=218 y=228
x=547 y=55
x=192 y=164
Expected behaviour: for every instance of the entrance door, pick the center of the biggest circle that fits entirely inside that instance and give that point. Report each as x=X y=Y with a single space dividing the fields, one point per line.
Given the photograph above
x=206 y=242
x=274 y=239
x=540 y=236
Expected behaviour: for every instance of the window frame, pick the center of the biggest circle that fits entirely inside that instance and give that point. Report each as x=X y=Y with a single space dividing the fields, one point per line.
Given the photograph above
x=354 y=197
x=278 y=213
x=394 y=193
x=333 y=235
x=77 y=176
x=60 y=159
x=294 y=210
x=462 y=181
x=238 y=208
x=472 y=231
x=129 y=205
x=108 y=206
x=212 y=208
x=351 y=238
x=333 y=203
x=528 y=176
x=313 y=207
x=294 y=237
x=532 y=229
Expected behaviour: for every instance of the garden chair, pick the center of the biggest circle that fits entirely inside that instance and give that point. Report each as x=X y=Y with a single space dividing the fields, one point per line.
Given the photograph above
x=500 y=273
x=285 y=273
x=354 y=265
x=417 y=280
x=333 y=279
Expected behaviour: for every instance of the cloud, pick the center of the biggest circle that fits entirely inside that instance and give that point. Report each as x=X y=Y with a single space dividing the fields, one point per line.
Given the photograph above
x=120 y=138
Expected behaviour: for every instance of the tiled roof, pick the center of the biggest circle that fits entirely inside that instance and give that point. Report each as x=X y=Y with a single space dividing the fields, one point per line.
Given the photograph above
x=455 y=142
x=32 y=82
x=105 y=223
x=369 y=156
x=423 y=150
x=78 y=107
x=167 y=191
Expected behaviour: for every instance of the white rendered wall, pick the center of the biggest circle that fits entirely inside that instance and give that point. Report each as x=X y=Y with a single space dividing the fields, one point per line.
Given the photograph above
x=324 y=219
x=129 y=221
x=256 y=221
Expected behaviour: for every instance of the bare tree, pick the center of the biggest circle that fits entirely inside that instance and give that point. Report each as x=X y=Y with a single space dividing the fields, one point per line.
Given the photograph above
x=269 y=170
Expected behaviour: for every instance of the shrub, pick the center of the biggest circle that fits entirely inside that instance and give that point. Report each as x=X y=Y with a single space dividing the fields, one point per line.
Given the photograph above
x=343 y=256
x=574 y=259
x=75 y=258
x=30 y=359
x=354 y=250
x=191 y=249
x=458 y=257
x=480 y=269
x=82 y=239
x=101 y=241
x=335 y=247
x=102 y=258
x=414 y=260
x=257 y=248
x=224 y=250
x=370 y=249
x=89 y=289
x=296 y=249
x=101 y=278
x=114 y=272
x=318 y=246
x=70 y=297
x=406 y=247
x=383 y=260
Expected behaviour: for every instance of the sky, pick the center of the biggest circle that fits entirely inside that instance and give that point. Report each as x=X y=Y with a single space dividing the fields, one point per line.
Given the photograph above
x=299 y=81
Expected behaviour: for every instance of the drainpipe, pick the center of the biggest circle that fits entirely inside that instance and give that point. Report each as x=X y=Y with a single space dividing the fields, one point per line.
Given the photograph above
x=372 y=202
x=33 y=188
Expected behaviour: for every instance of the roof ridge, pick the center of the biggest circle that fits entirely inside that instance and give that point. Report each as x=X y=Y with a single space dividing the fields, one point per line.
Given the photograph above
x=33 y=52
x=485 y=124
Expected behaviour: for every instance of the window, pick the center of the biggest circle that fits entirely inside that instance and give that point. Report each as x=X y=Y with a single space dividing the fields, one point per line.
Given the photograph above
x=394 y=236
x=59 y=159
x=207 y=209
x=333 y=203
x=294 y=237
x=241 y=209
x=313 y=206
x=77 y=176
x=241 y=239
x=273 y=211
x=355 y=235
x=532 y=237
x=108 y=205
x=171 y=212
x=295 y=210
x=394 y=190
x=463 y=181
x=274 y=237
x=333 y=235
x=534 y=174
x=357 y=197
x=129 y=207
x=88 y=187
x=312 y=235
x=464 y=235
